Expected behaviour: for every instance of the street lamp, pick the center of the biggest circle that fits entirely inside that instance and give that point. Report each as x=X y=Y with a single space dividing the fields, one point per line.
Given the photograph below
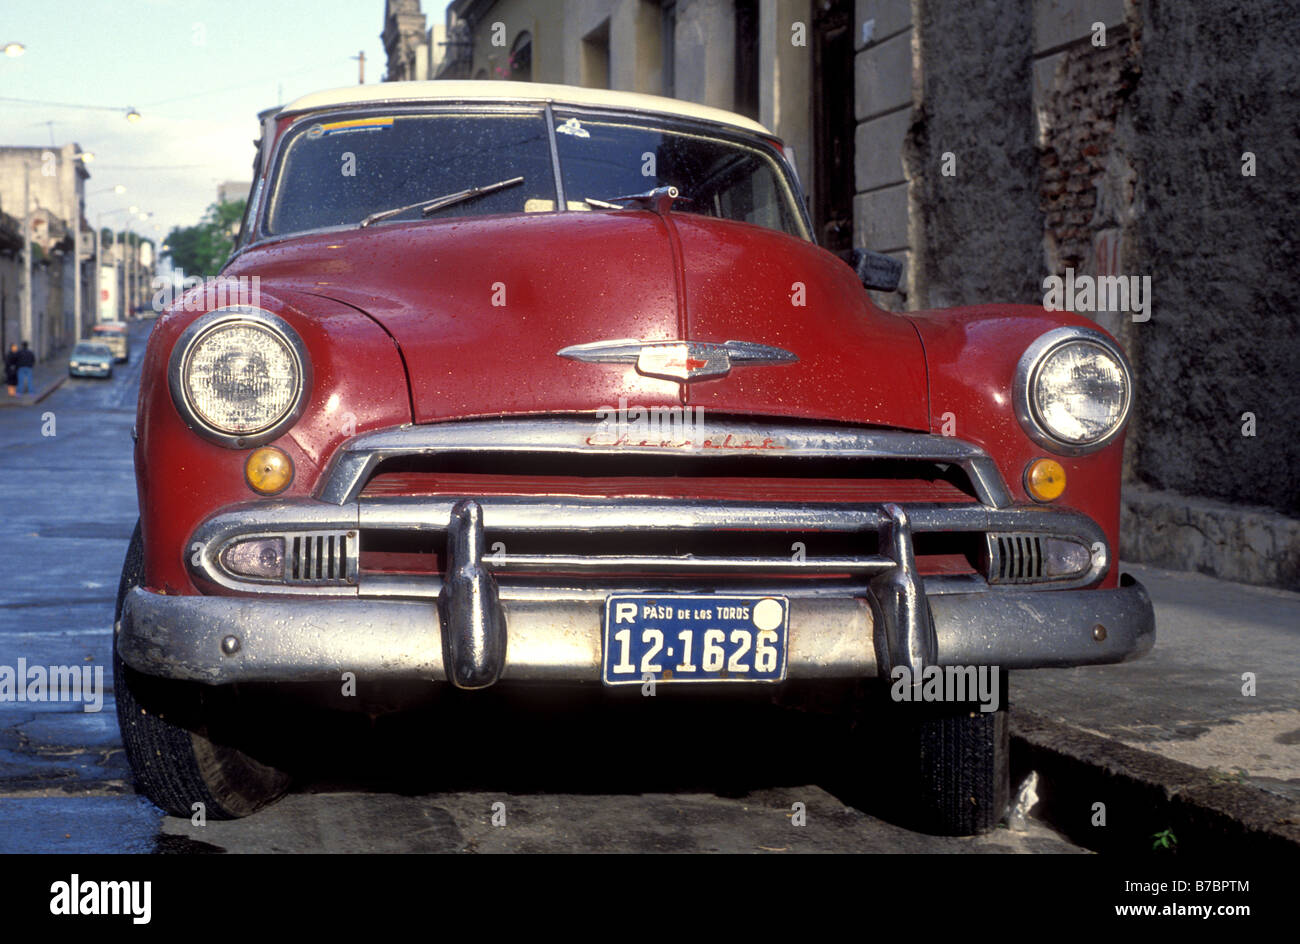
x=132 y=116
x=14 y=50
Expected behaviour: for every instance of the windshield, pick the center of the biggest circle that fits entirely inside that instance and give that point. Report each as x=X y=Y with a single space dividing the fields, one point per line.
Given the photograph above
x=337 y=173
x=346 y=168
x=603 y=159
x=86 y=349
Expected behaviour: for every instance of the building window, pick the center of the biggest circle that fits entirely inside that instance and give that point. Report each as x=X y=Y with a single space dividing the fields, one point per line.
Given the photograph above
x=747 y=58
x=595 y=57
x=521 y=58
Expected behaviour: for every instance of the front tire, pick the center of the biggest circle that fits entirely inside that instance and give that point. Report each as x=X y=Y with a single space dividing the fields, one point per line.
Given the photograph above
x=938 y=767
x=964 y=770
x=167 y=731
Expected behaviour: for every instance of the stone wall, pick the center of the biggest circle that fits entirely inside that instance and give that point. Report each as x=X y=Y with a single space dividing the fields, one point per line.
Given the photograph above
x=1219 y=78
x=976 y=223
x=1109 y=137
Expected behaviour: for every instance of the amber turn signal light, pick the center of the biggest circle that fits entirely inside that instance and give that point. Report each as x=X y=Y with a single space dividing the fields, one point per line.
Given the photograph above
x=1045 y=480
x=268 y=470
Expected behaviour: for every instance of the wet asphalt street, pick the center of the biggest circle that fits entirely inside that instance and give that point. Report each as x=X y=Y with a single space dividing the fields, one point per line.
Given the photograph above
x=559 y=773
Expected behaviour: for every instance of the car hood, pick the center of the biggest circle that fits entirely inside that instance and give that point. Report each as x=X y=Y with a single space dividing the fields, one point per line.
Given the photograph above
x=480 y=307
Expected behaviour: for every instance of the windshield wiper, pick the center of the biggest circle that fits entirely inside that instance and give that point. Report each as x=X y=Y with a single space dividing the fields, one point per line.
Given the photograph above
x=660 y=200
x=437 y=203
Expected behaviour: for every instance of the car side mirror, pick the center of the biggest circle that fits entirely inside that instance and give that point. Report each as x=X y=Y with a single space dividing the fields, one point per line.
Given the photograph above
x=876 y=270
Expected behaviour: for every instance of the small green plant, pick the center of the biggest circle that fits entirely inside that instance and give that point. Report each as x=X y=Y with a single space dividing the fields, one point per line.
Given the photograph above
x=1165 y=839
x=1238 y=775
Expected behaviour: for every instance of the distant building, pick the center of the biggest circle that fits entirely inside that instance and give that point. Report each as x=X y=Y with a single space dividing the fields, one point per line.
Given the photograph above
x=413 y=52
x=52 y=182
x=232 y=191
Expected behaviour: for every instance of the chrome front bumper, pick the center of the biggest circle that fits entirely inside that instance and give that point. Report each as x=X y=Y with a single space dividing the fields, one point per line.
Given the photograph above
x=504 y=615
x=560 y=640
x=475 y=632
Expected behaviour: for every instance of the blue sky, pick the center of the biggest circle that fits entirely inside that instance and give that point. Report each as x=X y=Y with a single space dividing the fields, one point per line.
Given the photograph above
x=198 y=71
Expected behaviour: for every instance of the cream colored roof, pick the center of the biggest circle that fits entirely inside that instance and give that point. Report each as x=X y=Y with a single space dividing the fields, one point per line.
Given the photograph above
x=482 y=90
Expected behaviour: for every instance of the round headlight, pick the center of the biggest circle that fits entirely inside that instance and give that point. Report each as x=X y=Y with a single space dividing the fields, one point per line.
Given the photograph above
x=239 y=376
x=1073 y=390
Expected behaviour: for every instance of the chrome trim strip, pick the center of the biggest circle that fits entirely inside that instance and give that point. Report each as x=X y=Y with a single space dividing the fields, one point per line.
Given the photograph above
x=1027 y=370
x=356 y=459
x=683 y=564
x=561 y=202
x=551 y=515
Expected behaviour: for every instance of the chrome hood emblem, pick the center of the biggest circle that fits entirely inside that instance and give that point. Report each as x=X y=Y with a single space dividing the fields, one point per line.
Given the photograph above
x=683 y=361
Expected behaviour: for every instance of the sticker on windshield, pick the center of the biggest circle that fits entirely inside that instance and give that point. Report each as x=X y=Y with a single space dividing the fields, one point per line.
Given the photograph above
x=573 y=127
x=348 y=127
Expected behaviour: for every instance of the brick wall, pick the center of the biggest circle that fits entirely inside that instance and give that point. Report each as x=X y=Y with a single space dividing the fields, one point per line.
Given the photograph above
x=1077 y=139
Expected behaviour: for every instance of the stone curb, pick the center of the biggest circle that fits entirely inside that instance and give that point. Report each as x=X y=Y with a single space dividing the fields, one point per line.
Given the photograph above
x=35 y=398
x=1232 y=542
x=1143 y=794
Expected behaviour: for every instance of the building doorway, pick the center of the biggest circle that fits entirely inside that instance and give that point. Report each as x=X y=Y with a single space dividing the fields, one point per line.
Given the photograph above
x=833 y=123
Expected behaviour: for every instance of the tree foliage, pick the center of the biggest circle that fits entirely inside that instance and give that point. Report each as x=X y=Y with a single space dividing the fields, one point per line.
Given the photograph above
x=203 y=249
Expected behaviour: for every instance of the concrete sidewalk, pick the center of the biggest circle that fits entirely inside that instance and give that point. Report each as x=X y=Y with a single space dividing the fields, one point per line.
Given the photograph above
x=1187 y=699
x=47 y=376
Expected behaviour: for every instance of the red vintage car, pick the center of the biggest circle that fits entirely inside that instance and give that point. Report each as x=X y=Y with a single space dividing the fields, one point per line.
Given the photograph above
x=521 y=383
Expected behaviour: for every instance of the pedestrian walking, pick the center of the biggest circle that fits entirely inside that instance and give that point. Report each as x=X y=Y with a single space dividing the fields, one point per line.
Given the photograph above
x=26 y=361
x=11 y=369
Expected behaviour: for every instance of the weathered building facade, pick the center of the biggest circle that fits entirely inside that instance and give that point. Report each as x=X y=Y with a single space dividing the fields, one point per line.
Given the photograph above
x=991 y=145
x=414 y=52
x=42 y=191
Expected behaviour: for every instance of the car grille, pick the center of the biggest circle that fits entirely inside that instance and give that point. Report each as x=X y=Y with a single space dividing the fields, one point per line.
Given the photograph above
x=925 y=484
x=320 y=558
x=1019 y=558
x=553 y=510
